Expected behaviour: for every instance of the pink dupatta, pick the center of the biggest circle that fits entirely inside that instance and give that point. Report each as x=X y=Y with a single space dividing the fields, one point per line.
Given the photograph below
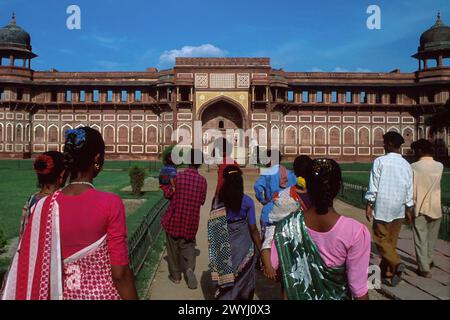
x=37 y=271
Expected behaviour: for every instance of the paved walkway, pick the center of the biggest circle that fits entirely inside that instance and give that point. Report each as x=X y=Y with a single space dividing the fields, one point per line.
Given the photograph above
x=412 y=287
x=163 y=289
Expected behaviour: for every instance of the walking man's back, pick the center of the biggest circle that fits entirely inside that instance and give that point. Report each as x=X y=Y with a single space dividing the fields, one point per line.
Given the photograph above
x=181 y=222
x=427 y=196
x=389 y=200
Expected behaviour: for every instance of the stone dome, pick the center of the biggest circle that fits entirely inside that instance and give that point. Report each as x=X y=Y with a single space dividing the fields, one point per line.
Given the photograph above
x=14 y=36
x=436 y=38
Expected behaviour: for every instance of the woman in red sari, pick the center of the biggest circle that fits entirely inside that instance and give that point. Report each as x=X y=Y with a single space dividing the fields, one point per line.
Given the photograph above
x=74 y=246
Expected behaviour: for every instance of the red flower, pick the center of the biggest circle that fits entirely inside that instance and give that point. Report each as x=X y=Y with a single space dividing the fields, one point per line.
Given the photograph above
x=44 y=164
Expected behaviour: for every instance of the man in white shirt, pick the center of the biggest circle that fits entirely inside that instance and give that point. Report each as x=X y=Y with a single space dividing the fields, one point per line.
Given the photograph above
x=427 y=196
x=389 y=200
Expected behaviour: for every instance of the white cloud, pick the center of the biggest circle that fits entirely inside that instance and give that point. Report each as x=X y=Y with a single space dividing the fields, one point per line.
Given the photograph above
x=339 y=69
x=204 y=50
x=315 y=69
x=363 y=70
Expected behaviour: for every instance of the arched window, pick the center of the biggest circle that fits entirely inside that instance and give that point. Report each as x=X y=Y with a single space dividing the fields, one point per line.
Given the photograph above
x=364 y=137
x=27 y=133
x=221 y=124
x=275 y=136
x=9 y=134
x=260 y=134
x=305 y=136
x=290 y=136
x=152 y=135
x=39 y=134
x=319 y=136
x=378 y=137
x=349 y=136
x=1 y=132
x=335 y=137
x=137 y=135
x=123 y=134
x=108 y=135
x=52 y=134
x=421 y=134
x=19 y=133
x=168 y=135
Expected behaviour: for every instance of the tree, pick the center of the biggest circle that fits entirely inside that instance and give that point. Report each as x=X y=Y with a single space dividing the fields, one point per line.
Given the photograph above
x=441 y=119
x=137 y=179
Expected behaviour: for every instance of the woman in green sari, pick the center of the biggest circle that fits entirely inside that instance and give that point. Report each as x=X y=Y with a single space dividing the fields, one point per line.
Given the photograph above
x=323 y=255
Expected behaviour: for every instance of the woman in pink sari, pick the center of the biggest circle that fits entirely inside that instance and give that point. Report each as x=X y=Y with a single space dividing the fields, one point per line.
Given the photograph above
x=74 y=246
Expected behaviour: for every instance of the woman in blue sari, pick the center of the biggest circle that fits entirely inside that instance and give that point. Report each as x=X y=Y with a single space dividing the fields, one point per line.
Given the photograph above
x=233 y=239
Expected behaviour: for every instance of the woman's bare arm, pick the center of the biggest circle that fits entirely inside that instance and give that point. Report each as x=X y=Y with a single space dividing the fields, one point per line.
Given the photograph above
x=254 y=233
x=124 y=281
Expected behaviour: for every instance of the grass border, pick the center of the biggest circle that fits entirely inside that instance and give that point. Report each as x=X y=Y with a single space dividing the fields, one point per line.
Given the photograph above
x=147 y=274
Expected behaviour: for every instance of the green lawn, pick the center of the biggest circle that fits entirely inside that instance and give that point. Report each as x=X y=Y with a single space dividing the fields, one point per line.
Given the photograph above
x=149 y=267
x=18 y=182
x=362 y=178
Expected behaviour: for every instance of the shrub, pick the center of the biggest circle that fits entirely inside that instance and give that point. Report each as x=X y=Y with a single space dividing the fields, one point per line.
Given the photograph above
x=3 y=241
x=167 y=150
x=137 y=178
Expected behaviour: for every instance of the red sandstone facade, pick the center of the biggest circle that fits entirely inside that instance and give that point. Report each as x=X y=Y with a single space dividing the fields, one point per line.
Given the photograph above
x=341 y=115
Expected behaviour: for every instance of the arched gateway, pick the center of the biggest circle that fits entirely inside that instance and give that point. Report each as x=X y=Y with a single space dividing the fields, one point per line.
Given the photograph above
x=226 y=117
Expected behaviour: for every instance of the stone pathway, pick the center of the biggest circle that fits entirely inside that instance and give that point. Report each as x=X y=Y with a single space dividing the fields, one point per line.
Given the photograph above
x=412 y=287
x=163 y=289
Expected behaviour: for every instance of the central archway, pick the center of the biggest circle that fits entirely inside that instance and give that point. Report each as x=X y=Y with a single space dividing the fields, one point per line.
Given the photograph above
x=222 y=114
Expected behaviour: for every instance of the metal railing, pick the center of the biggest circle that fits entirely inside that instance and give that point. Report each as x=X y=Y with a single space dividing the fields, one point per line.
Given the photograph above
x=143 y=239
x=444 y=231
x=355 y=187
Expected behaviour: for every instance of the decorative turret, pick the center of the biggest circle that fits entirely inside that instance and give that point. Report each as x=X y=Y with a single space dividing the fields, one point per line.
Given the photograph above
x=434 y=44
x=15 y=45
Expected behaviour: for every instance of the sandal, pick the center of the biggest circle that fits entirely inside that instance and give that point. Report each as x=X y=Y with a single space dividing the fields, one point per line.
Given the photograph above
x=174 y=280
x=398 y=274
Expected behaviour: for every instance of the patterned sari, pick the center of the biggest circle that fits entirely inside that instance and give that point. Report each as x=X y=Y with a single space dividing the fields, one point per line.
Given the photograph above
x=305 y=274
x=231 y=256
x=39 y=273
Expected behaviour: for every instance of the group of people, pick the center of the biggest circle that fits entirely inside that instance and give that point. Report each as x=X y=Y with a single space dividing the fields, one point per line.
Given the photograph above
x=313 y=251
x=73 y=237
x=398 y=190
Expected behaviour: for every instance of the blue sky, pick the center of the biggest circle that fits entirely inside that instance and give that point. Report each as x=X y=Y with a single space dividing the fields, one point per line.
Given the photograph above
x=298 y=35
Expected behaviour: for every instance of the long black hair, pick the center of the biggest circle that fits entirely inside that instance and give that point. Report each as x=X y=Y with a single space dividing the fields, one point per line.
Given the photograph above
x=232 y=191
x=302 y=166
x=324 y=183
x=80 y=149
x=48 y=167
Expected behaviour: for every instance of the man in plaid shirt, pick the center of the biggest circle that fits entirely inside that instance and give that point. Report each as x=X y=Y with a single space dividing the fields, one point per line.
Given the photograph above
x=181 y=222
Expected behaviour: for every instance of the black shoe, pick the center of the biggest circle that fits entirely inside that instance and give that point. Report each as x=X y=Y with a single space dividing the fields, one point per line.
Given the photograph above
x=398 y=274
x=190 y=278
